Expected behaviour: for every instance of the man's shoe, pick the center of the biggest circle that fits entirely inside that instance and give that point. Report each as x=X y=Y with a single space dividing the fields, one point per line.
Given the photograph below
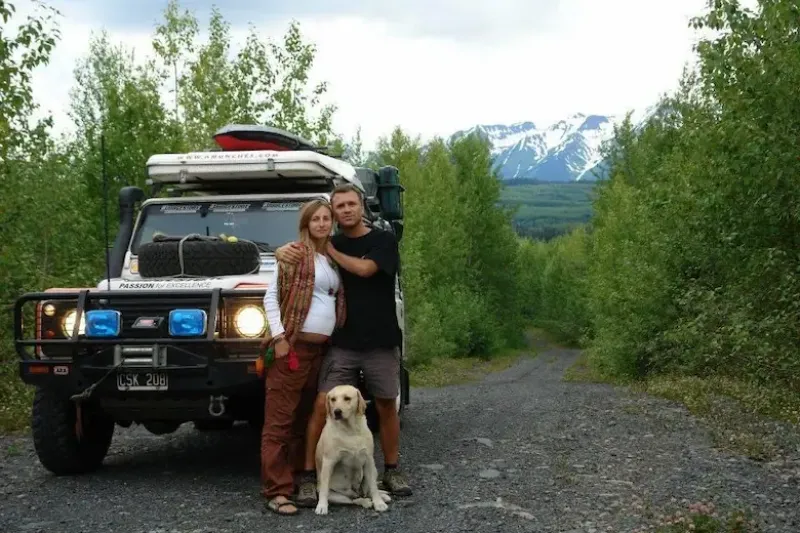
x=307 y=491
x=394 y=481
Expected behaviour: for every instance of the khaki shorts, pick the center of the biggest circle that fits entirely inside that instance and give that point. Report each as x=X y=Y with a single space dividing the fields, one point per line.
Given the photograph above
x=380 y=367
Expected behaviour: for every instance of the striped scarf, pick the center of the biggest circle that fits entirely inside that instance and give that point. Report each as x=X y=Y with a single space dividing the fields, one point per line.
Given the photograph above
x=295 y=287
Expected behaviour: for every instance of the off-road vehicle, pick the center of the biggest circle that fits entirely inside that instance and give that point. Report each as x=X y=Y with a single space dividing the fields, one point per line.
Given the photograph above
x=171 y=332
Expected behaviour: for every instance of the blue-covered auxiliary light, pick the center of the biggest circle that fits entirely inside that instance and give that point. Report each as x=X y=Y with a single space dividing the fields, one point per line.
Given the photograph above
x=187 y=322
x=103 y=323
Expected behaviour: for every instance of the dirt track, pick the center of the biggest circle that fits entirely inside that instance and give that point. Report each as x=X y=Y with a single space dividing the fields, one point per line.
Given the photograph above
x=520 y=451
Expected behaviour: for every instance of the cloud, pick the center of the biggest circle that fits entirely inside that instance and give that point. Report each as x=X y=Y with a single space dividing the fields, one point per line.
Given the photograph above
x=451 y=19
x=608 y=58
x=387 y=65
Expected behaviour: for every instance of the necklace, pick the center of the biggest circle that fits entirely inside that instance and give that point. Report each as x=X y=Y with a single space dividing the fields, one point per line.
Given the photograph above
x=327 y=276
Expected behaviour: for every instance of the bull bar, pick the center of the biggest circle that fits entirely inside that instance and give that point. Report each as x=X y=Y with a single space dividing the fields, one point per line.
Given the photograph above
x=86 y=299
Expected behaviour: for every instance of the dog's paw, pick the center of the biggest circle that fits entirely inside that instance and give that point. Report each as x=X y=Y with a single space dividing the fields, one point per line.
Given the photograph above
x=366 y=503
x=380 y=505
x=322 y=508
x=385 y=496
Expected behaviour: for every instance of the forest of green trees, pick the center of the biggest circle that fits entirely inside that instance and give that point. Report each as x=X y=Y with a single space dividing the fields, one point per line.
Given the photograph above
x=545 y=210
x=689 y=264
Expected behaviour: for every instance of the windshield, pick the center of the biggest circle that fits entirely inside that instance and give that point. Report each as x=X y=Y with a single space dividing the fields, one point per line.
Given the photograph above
x=271 y=223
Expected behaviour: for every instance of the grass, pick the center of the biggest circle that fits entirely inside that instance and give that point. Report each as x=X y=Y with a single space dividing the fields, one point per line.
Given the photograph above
x=698 y=395
x=15 y=403
x=443 y=371
x=582 y=372
x=13 y=450
x=557 y=334
x=744 y=418
x=703 y=517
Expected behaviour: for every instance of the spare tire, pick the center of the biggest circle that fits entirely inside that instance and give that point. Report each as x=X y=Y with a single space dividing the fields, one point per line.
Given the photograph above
x=206 y=258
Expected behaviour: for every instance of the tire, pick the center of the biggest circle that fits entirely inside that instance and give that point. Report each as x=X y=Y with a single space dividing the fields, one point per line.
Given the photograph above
x=255 y=420
x=54 y=437
x=200 y=258
x=213 y=425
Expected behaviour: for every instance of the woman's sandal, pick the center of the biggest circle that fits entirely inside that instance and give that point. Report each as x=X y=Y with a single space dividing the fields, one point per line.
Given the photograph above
x=275 y=506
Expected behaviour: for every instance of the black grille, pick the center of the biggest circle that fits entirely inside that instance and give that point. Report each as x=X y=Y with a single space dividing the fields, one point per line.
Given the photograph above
x=135 y=308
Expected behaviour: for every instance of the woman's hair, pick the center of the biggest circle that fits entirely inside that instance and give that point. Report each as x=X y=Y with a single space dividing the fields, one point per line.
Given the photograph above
x=306 y=212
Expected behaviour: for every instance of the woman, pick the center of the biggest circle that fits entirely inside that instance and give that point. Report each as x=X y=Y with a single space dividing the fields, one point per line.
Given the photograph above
x=304 y=303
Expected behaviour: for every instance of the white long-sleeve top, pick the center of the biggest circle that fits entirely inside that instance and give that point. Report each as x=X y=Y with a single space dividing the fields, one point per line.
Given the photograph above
x=321 y=316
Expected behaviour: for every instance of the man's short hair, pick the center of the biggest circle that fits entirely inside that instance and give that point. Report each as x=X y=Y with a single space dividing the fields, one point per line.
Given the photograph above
x=347 y=187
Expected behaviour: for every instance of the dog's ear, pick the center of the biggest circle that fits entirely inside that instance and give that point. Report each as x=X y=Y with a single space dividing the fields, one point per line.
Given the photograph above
x=362 y=405
x=328 y=410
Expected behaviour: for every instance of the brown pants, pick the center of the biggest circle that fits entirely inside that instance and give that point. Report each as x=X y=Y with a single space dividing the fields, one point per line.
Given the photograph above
x=289 y=402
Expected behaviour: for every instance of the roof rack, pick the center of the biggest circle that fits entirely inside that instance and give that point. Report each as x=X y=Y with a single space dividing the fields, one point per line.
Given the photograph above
x=252 y=159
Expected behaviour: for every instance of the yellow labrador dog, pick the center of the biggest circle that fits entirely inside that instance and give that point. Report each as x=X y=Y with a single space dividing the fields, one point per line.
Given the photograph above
x=346 y=471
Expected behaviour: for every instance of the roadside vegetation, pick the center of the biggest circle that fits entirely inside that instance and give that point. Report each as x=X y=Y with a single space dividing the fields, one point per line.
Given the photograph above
x=704 y=517
x=461 y=261
x=686 y=282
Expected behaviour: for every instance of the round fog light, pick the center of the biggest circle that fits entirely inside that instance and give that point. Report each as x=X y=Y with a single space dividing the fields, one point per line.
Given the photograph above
x=250 y=321
x=68 y=323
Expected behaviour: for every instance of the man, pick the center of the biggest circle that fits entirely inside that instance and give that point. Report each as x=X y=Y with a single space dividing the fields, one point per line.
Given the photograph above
x=370 y=339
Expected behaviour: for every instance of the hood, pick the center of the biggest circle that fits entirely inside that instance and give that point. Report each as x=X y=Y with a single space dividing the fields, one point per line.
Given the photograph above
x=130 y=281
x=248 y=281
x=227 y=282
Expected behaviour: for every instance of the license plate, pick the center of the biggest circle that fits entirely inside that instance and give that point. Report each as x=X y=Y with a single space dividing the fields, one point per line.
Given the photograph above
x=142 y=381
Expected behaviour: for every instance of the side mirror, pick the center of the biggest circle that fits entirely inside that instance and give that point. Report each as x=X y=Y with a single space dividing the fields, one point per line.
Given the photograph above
x=397 y=226
x=369 y=179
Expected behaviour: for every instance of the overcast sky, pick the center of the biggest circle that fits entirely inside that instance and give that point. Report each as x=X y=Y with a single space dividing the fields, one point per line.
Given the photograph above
x=433 y=66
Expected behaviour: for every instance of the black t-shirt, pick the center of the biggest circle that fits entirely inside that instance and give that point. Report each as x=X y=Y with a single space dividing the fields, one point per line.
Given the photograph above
x=371 y=313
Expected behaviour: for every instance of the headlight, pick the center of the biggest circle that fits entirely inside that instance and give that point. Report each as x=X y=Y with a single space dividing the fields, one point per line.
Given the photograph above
x=250 y=321
x=68 y=323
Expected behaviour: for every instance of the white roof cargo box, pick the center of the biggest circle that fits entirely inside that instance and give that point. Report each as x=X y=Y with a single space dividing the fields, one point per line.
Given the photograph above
x=197 y=167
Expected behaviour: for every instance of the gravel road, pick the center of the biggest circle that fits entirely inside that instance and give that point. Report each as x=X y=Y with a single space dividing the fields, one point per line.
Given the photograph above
x=520 y=451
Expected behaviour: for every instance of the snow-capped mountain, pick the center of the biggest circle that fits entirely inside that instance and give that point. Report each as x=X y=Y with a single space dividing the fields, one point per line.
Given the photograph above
x=566 y=150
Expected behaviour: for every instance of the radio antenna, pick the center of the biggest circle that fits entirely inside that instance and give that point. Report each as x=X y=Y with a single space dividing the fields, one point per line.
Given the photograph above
x=105 y=205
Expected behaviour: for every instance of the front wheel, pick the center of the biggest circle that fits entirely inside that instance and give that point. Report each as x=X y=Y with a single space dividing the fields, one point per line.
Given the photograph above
x=55 y=437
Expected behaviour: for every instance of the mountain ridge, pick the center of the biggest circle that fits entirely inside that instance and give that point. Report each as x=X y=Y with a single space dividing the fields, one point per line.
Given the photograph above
x=565 y=150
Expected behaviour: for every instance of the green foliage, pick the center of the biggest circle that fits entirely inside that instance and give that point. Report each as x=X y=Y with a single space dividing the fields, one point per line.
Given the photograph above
x=692 y=264
x=553 y=284
x=704 y=517
x=32 y=186
x=115 y=98
x=546 y=210
x=460 y=258
x=20 y=54
x=266 y=82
